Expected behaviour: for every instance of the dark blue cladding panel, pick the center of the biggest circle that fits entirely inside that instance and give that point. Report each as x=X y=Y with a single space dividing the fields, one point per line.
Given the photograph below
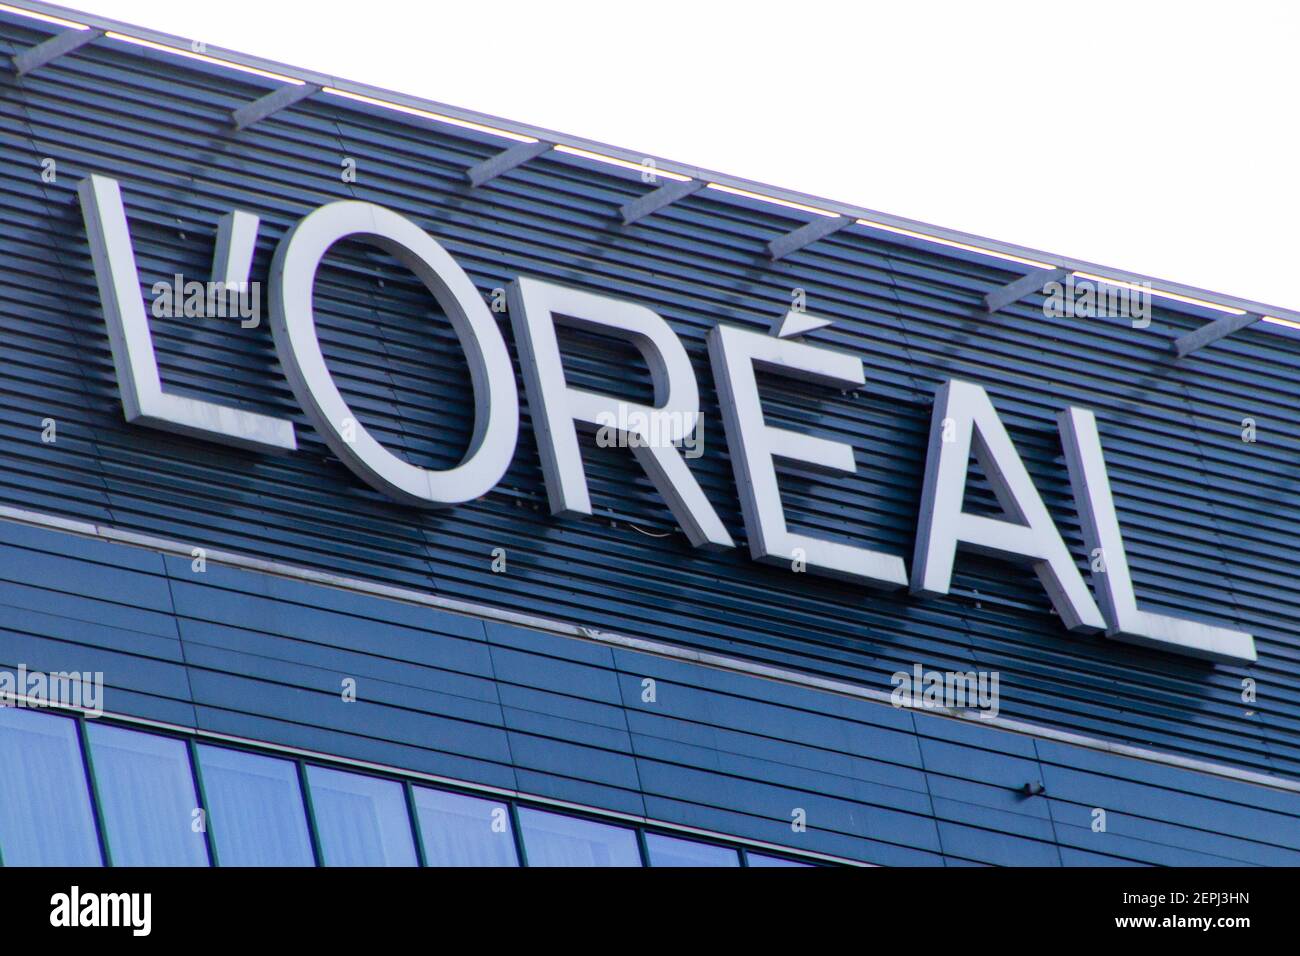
x=265 y=658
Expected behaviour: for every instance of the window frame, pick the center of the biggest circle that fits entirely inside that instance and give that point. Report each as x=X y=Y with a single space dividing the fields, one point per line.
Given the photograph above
x=301 y=762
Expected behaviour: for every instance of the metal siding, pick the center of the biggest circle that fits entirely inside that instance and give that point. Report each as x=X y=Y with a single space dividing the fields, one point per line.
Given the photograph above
x=1206 y=517
x=263 y=657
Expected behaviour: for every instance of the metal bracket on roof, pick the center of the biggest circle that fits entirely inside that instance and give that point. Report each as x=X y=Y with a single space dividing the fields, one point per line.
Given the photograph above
x=1034 y=281
x=504 y=161
x=1211 y=332
x=278 y=99
x=52 y=49
x=806 y=235
x=657 y=199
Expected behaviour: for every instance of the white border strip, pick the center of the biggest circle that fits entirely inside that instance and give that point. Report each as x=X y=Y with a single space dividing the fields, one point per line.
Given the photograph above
x=582 y=632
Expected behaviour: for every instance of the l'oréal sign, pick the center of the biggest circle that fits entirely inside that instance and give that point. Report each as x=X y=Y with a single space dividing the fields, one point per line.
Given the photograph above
x=964 y=421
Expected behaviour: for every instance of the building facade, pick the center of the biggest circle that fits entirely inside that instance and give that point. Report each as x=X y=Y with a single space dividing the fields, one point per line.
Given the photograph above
x=355 y=572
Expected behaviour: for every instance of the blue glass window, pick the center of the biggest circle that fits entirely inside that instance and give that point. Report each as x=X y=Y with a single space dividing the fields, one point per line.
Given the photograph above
x=255 y=811
x=146 y=798
x=758 y=859
x=45 y=813
x=360 y=820
x=464 y=831
x=551 y=839
x=671 y=851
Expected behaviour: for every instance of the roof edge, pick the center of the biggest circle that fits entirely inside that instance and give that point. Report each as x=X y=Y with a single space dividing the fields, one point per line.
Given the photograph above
x=511 y=128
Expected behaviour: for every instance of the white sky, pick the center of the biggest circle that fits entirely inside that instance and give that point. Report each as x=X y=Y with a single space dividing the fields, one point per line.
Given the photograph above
x=1156 y=137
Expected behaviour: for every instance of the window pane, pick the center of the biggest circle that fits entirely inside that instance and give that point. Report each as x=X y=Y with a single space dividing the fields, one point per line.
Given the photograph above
x=146 y=797
x=464 y=831
x=758 y=859
x=45 y=815
x=670 y=851
x=360 y=820
x=255 y=811
x=554 y=840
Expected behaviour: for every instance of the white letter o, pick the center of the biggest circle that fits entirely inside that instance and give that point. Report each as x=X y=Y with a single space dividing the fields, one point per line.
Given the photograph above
x=293 y=325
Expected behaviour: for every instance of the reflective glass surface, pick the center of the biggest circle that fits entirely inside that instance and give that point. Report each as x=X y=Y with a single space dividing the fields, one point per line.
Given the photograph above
x=45 y=812
x=360 y=820
x=255 y=809
x=672 y=851
x=552 y=839
x=464 y=831
x=146 y=797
